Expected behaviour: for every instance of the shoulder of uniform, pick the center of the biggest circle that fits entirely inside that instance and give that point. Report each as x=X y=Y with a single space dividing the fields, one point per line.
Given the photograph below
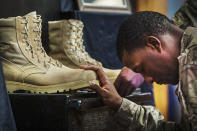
x=189 y=38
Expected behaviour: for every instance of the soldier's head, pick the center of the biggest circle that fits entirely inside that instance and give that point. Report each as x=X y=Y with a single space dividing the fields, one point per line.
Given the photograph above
x=148 y=43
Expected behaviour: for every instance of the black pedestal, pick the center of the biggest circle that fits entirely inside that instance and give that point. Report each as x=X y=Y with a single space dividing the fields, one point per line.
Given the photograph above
x=49 y=112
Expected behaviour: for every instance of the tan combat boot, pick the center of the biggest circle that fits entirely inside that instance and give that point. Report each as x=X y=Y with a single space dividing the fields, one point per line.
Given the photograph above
x=66 y=45
x=27 y=66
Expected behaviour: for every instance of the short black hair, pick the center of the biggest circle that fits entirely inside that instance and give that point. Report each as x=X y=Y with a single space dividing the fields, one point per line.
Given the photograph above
x=139 y=25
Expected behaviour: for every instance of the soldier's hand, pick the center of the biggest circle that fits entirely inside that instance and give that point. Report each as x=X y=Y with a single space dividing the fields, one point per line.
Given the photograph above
x=107 y=90
x=127 y=81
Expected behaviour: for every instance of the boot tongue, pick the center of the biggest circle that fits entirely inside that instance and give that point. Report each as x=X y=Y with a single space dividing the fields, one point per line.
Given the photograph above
x=33 y=14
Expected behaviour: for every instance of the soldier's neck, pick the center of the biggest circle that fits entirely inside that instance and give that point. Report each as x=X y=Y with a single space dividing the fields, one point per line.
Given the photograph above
x=178 y=34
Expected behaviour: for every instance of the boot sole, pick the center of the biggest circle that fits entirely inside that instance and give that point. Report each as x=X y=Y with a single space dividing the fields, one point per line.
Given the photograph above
x=13 y=86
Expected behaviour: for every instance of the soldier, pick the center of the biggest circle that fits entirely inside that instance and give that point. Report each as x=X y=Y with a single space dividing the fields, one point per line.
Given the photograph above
x=149 y=43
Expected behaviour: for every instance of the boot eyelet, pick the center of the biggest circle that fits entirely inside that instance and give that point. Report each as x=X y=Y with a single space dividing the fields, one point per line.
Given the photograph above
x=24 y=40
x=68 y=33
x=26 y=48
x=69 y=42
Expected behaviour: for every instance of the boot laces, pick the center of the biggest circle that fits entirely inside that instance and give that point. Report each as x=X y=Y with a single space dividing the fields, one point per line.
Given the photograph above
x=47 y=59
x=81 y=55
x=25 y=32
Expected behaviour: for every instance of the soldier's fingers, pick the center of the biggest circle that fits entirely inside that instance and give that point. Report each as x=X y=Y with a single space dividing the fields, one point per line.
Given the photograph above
x=117 y=82
x=129 y=91
x=101 y=74
x=103 y=77
x=97 y=88
x=89 y=67
x=121 y=91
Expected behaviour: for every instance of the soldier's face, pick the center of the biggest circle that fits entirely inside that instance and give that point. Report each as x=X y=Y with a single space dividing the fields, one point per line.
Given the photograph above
x=150 y=63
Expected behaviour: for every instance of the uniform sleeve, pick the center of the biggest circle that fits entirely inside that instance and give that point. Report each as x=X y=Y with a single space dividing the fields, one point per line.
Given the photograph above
x=186 y=15
x=133 y=117
x=188 y=77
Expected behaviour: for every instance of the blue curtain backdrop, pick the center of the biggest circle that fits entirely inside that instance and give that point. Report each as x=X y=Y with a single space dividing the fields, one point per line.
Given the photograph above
x=100 y=33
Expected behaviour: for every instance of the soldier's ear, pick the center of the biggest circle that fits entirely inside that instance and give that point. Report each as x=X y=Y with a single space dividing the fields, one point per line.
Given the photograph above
x=154 y=43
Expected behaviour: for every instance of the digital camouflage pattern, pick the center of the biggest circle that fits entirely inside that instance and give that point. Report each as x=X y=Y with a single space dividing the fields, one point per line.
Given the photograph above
x=133 y=117
x=186 y=15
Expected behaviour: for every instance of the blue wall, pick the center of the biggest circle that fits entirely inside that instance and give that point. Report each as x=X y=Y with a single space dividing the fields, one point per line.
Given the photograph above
x=173 y=6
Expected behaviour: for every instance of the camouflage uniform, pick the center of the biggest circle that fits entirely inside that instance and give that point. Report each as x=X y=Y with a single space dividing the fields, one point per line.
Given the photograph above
x=186 y=15
x=133 y=117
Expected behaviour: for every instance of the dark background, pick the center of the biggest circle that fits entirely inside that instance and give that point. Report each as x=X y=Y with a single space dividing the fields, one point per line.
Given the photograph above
x=48 y=9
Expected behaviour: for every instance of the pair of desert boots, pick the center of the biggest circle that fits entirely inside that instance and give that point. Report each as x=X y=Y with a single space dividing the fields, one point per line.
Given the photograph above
x=27 y=66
